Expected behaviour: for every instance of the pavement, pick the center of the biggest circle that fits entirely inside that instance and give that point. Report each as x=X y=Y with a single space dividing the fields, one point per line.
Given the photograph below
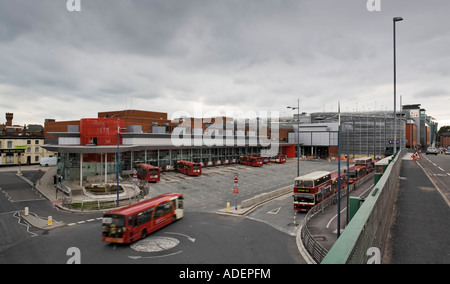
x=420 y=232
x=46 y=187
x=37 y=222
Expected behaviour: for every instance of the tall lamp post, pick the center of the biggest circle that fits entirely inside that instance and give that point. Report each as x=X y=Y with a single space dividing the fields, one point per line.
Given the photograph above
x=298 y=135
x=118 y=158
x=395 y=20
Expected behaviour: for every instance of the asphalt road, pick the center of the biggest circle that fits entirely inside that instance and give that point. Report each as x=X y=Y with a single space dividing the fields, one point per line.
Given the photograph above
x=214 y=188
x=201 y=237
x=438 y=169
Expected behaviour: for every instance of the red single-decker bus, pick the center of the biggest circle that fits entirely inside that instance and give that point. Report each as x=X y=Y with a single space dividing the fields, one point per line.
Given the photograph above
x=189 y=168
x=148 y=172
x=131 y=223
x=278 y=159
x=251 y=161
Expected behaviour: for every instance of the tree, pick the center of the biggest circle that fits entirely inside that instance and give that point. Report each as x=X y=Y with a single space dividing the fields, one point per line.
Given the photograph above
x=443 y=129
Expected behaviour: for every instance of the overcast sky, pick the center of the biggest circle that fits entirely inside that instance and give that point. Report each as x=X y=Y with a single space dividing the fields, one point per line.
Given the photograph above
x=228 y=55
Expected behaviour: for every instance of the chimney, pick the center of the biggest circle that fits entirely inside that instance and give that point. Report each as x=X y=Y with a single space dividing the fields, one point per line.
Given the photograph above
x=9 y=118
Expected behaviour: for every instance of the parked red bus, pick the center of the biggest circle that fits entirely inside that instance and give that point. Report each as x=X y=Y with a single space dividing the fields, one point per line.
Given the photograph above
x=251 y=161
x=189 y=168
x=366 y=162
x=131 y=223
x=311 y=189
x=356 y=173
x=148 y=172
x=334 y=181
x=278 y=159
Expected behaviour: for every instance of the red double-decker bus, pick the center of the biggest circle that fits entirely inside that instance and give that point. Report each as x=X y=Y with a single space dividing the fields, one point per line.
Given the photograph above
x=251 y=161
x=334 y=182
x=189 y=168
x=311 y=189
x=148 y=172
x=356 y=172
x=278 y=159
x=131 y=223
x=366 y=162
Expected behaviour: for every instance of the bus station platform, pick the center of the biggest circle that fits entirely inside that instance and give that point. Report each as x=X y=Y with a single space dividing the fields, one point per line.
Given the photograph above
x=419 y=225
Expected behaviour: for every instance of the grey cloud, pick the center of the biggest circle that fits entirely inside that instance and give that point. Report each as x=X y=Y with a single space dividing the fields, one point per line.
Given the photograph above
x=234 y=53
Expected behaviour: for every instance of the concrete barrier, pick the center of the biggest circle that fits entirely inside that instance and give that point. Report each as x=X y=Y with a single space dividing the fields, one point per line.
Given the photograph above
x=265 y=196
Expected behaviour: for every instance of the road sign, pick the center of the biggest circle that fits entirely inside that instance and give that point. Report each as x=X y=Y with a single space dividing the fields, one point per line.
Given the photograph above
x=415 y=156
x=236 y=180
x=236 y=175
x=236 y=190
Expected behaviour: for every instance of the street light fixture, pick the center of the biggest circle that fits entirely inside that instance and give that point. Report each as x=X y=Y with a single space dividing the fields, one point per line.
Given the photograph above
x=395 y=19
x=118 y=159
x=298 y=135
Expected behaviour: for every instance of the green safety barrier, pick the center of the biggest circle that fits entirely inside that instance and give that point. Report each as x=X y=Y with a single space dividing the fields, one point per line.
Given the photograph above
x=368 y=229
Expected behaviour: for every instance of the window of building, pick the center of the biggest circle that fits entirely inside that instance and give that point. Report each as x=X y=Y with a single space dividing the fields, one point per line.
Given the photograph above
x=9 y=158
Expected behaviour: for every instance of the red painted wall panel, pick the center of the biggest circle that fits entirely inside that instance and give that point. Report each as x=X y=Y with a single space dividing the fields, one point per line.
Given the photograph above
x=100 y=131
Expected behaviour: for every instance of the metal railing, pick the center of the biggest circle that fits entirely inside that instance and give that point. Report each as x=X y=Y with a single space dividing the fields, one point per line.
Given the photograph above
x=312 y=246
x=370 y=225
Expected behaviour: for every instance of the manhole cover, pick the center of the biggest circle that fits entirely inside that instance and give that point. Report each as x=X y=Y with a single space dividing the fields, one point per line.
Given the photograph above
x=155 y=244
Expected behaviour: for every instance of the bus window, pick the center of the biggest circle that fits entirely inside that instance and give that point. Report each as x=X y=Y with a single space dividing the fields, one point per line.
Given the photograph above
x=307 y=198
x=163 y=209
x=114 y=219
x=133 y=221
x=180 y=203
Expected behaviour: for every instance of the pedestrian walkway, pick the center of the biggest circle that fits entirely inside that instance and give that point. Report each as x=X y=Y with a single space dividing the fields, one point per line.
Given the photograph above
x=420 y=231
x=45 y=185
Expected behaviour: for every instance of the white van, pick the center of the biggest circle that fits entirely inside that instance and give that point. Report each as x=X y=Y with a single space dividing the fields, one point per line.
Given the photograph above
x=50 y=161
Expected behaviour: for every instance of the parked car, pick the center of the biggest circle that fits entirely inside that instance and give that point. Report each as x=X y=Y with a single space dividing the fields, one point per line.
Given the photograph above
x=432 y=150
x=448 y=151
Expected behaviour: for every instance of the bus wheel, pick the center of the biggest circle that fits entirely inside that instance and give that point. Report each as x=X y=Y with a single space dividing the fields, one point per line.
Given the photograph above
x=144 y=233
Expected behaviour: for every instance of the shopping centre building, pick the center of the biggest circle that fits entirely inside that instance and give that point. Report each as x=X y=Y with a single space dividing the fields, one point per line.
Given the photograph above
x=94 y=147
x=90 y=148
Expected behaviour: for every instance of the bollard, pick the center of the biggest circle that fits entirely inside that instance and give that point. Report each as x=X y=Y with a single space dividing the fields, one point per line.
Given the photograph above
x=49 y=221
x=26 y=211
x=228 y=205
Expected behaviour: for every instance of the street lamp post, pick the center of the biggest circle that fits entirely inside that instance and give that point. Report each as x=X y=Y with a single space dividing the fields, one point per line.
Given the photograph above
x=298 y=135
x=395 y=19
x=118 y=158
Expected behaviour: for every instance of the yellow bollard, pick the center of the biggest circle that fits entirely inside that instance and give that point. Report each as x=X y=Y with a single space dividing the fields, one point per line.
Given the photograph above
x=228 y=205
x=49 y=221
